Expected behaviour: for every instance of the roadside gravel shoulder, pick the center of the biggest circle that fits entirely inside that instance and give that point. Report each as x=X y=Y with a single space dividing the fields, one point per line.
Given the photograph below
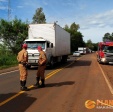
x=8 y=69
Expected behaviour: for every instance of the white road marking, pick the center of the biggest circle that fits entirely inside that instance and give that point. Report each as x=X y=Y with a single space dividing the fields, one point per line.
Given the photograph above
x=9 y=72
x=106 y=79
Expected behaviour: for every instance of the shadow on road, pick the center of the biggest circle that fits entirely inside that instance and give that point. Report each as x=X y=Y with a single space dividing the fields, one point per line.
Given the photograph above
x=60 y=65
x=83 y=63
x=80 y=63
x=56 y=66
x=60 y=84
x=18 y=104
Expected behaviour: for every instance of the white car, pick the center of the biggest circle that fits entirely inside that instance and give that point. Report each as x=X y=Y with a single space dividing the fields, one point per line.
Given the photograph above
x=76 y=53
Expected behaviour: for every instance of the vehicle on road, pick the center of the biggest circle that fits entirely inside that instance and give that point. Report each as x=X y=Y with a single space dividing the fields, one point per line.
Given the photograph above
x=105 y=52
x=54 y=40
x=76 y=53
x=82 y=50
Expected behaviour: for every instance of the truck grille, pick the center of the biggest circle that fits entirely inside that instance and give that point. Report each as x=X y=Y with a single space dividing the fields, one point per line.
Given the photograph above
x=33 y=55
x=109 y=55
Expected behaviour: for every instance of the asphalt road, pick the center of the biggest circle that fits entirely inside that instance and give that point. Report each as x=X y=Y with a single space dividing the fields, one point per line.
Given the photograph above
x=80 y=85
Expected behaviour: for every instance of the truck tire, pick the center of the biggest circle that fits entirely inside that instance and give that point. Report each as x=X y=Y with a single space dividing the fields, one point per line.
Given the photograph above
x=28 y=66
x=64 y=59
x=51 y=63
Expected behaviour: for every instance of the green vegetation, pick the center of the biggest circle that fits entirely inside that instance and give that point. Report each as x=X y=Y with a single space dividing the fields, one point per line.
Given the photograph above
x=92 y=46
x=76 y=36
x=108 y=37
x=39 y=16
x=12 y=35
x=8 y=60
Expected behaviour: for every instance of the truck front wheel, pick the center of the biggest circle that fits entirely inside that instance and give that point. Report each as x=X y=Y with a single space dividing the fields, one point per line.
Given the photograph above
x=51 y=63
x=28 y=66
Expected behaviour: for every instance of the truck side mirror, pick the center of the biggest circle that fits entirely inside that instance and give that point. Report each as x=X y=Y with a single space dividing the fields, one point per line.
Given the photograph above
x=48 y=45
x=51 y=45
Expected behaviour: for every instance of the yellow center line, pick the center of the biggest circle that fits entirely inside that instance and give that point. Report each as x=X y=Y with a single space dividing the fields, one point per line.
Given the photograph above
x=53 y=73
x=48 y=76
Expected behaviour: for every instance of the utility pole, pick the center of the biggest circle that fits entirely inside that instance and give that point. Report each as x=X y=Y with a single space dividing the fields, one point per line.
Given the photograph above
x=9 y=11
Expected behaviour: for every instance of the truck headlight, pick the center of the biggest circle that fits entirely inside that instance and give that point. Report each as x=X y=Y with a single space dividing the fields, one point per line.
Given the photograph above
x=103 y=59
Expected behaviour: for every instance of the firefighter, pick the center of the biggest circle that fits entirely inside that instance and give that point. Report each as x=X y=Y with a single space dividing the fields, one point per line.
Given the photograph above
x=41 y=68
x=22 y=60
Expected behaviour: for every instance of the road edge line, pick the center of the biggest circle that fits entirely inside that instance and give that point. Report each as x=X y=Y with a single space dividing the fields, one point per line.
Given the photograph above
x=106 y=79
x=8 y=72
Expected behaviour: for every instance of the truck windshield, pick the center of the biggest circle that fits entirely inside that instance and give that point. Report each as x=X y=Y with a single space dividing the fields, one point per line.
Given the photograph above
x=108 y=49
x=35 y=44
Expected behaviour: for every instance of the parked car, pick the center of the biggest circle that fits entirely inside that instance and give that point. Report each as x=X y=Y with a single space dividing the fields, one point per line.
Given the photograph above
x=76 y=53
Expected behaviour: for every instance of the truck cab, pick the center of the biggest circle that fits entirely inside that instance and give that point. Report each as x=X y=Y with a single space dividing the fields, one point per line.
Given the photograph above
x=105 y=52
x=33 y=54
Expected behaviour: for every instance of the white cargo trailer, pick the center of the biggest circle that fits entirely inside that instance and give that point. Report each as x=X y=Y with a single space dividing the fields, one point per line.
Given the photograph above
x=54 y=40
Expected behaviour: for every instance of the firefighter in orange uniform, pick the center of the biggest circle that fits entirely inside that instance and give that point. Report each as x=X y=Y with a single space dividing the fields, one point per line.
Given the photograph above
x=41 y=68
x=23 y=59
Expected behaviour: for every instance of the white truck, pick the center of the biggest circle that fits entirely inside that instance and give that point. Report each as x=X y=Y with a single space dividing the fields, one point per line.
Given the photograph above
x=82 y=50
x=54 y=40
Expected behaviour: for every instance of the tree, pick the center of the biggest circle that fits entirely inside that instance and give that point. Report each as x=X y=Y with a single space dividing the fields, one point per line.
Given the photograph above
x=76 y=37
x=67 y=28
x=13 y=33
x=76 y=41
x=74 y=27
x=39 y=16
x=95 y=46
x=108 y=37
x=89 y=44
x=3 y=49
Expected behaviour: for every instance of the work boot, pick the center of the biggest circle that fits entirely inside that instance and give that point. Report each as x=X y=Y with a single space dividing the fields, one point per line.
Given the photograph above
x=23 y=87
x=43 y=83
x=37 y=82
x=21 y=83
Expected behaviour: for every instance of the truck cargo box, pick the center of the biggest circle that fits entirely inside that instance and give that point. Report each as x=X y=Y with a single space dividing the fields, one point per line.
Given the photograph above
x=53 y=33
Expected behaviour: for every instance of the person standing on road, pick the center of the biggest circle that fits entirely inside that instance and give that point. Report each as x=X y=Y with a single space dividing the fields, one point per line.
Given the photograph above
x=22 y=60
x=41 y=68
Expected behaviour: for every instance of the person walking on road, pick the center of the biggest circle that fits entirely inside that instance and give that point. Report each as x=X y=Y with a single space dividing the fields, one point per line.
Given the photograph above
x=22 y=60
x=41 y=68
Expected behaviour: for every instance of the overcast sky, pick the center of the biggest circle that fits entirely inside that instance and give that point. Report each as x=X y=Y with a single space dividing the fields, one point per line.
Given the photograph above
x=95 y=17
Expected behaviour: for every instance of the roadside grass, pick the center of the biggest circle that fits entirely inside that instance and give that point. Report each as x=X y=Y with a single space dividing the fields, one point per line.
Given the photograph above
x=7 y=61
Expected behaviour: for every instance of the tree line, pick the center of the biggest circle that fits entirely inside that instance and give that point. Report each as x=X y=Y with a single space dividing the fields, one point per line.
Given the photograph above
x=108 y=37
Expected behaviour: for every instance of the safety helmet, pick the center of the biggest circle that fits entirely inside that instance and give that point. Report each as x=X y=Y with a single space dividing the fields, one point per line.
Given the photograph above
x=39 y=48
x=24 y=46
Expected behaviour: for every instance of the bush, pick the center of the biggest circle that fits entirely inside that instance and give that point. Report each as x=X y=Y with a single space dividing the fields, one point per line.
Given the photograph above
x=8 y=60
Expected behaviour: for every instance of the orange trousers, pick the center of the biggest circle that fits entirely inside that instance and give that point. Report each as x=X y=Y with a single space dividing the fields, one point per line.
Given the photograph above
x=23 y=72
x=41 y=71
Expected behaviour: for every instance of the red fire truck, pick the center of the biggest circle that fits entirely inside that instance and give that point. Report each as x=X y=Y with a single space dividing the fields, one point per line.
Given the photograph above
x=105 y=52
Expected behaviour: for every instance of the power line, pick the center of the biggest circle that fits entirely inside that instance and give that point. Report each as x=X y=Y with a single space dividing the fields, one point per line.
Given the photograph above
x=9 y=10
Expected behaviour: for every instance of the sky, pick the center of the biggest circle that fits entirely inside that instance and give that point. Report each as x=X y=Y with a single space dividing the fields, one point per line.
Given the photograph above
x=95 y=17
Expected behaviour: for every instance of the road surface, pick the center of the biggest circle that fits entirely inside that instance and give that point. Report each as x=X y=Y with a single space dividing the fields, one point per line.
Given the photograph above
x=80 y=85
